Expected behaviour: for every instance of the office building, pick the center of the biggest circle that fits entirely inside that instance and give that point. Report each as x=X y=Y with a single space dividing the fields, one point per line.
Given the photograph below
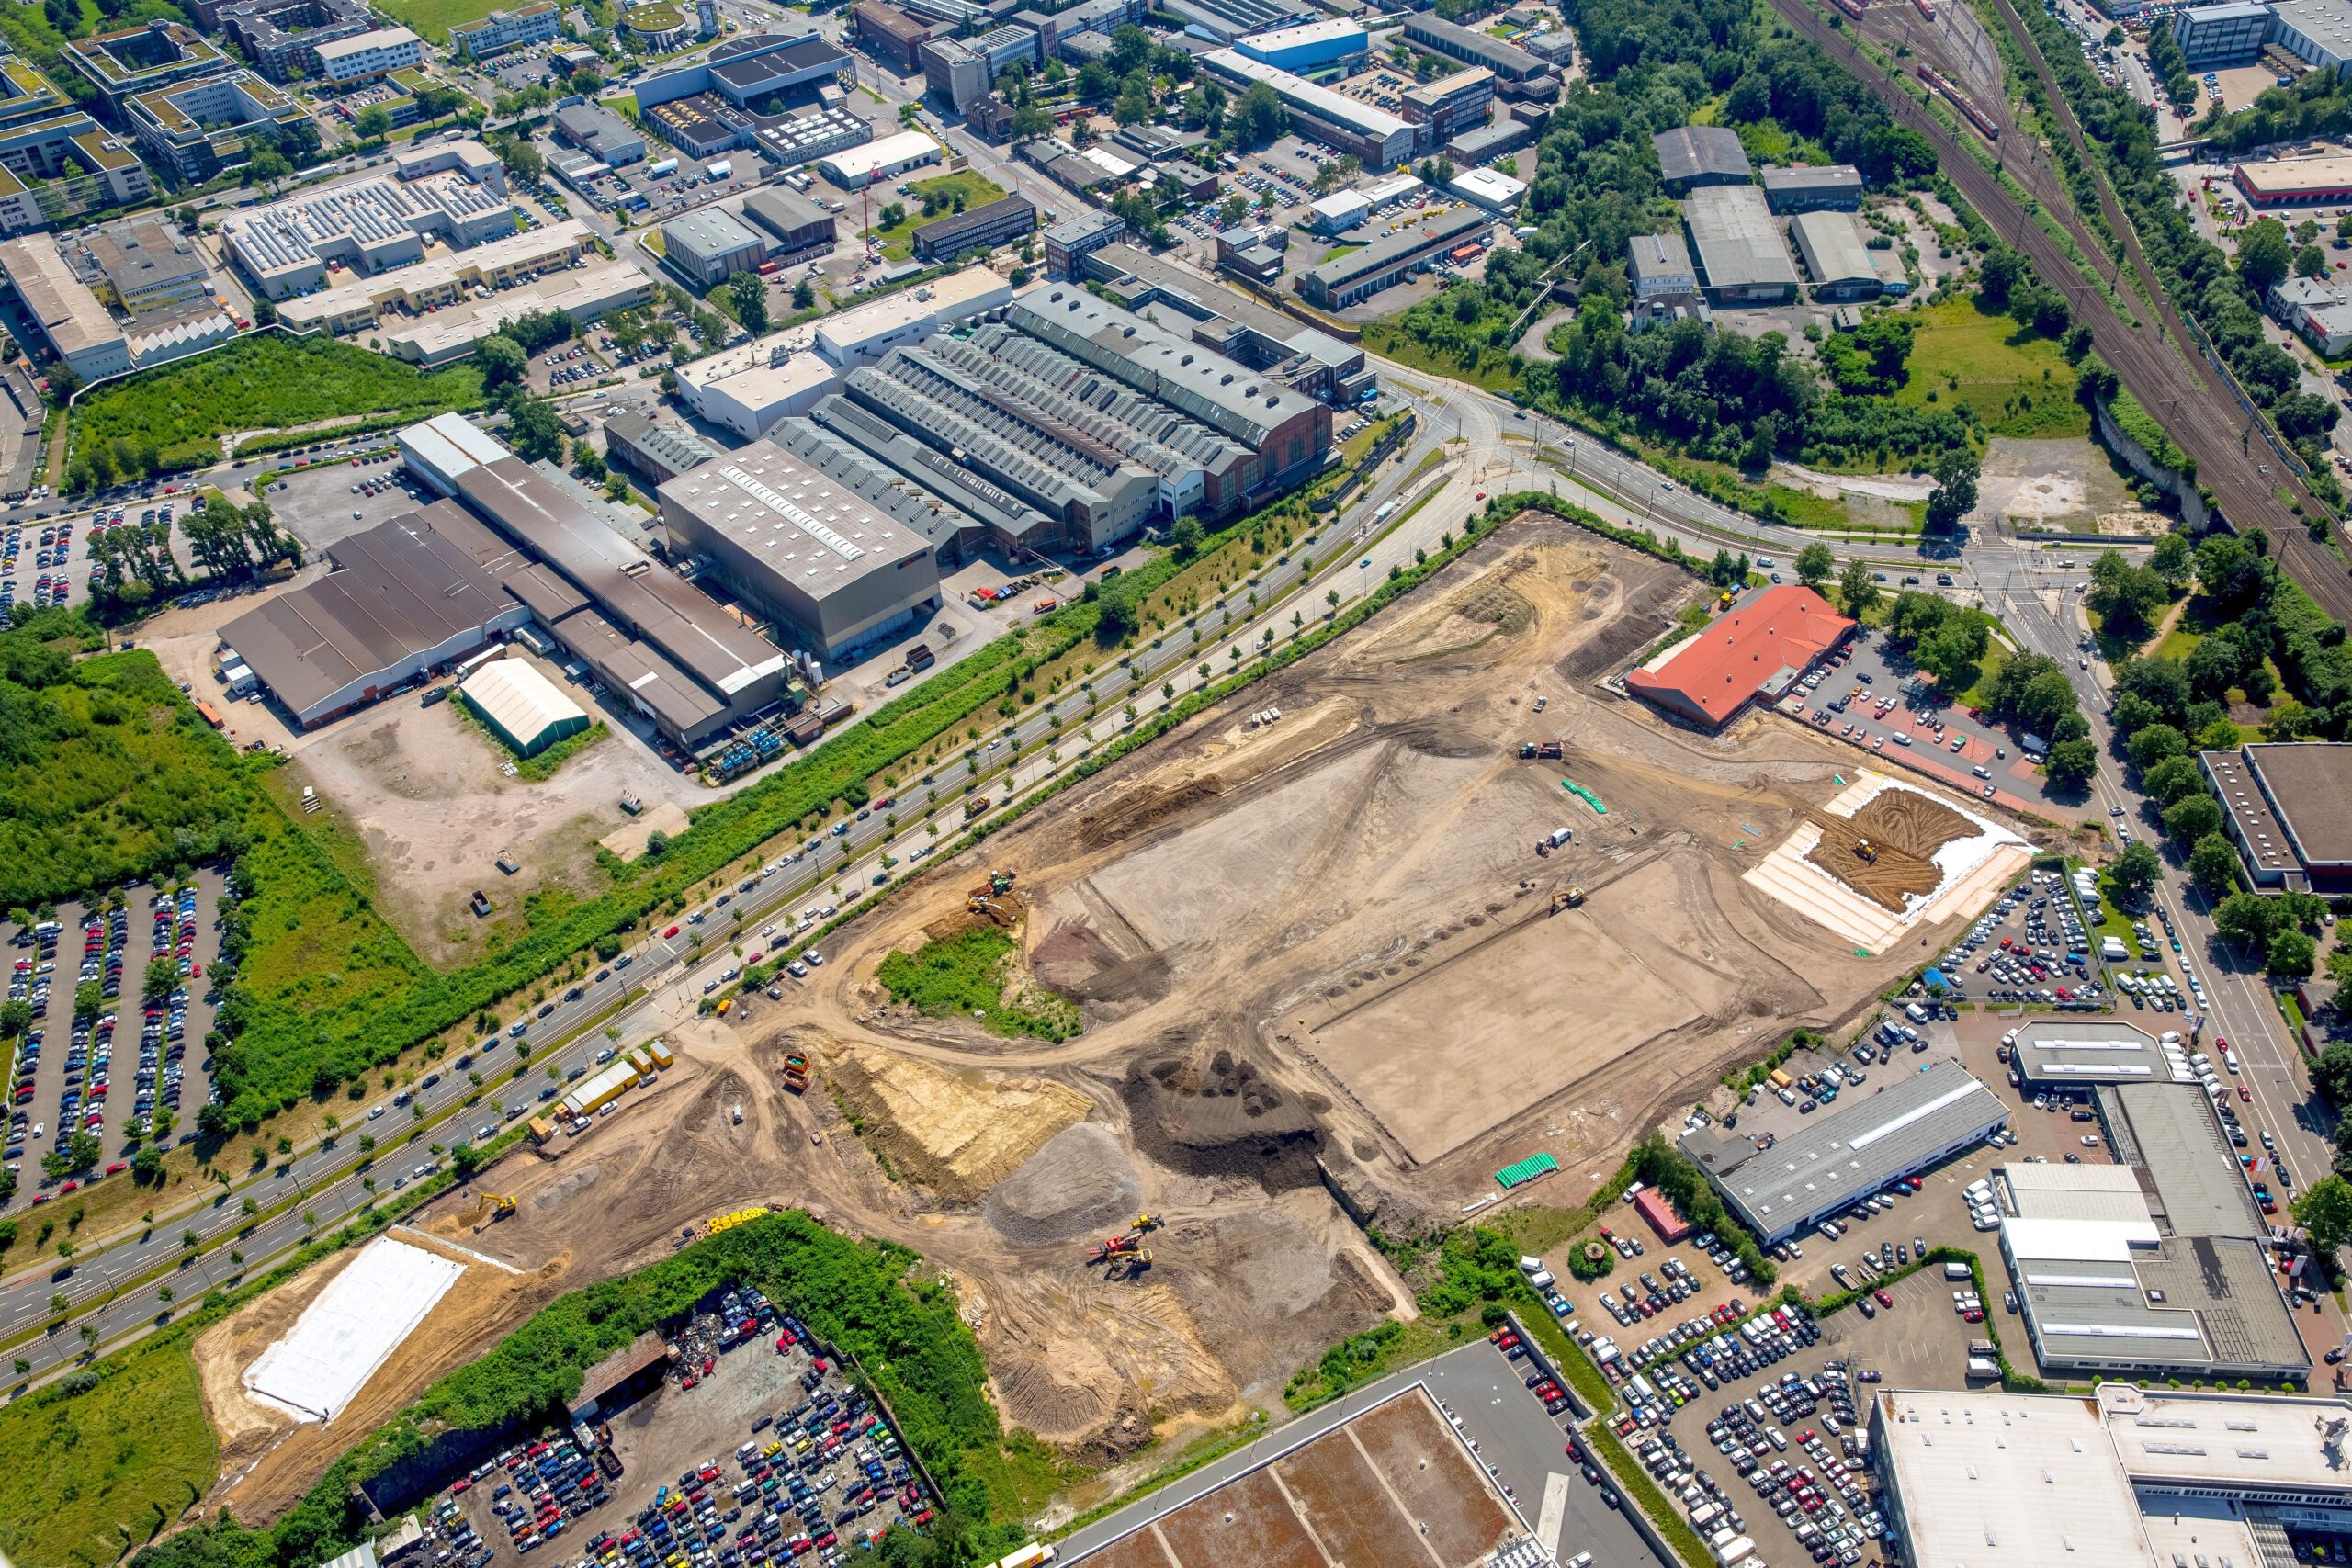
x=2126 y=1478
x=657 y=26
x=810 y=552
x=1518 y=74
x=1690 y=156
x=521 y=706
x=201 y=127
x=655 y=642
x=587 y=290
x=2289 y=810
x=1378 y=138
x=363 y=57
x=1742 y=260
x=708 y=247
x=503 y=31
x=1812 y=188
x=1660 y=264
x=55 y=161
x=891 y=33
x=1848 y=1150
x=1279 y=346
x=983 y=228
x=599 y=132
x=1309 y=46
x=879 y=160
x=658 y=450
x=2214 y=37
x=1836 y=256
x=144 y=58
x=405 y=596
x=370 y=224
x=1345 y=280
x=151 y=265
x=1079 y=235
x=796 y=225
x=282 y=37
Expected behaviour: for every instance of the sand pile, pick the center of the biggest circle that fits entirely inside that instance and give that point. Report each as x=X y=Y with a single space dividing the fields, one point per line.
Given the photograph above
x=959 y=1133
x=1081 y=1183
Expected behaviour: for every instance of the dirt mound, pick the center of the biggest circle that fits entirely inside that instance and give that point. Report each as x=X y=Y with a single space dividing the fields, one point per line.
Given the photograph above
x=1497 y=607
x=1903 y=829
x=1222 y=1116
x=1081 y=1183
x=959 y=1133
x=1076 y=960
x=1144 y=809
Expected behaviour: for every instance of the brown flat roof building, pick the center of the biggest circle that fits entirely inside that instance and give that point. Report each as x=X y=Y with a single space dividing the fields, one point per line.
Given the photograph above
x=621 y=1376
x=2288 y=807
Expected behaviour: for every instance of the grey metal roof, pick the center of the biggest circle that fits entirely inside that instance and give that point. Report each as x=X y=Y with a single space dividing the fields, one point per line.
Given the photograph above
x=784 y=213
x=2167 y=1134
x=712 y=232
x=1698 y=151
x=1659 y=256
x=1780 y=179
x=1833 y=248
x=2309 y=786
x=2090 y=1050
x=1737 y=241
x=942 y=233
x=597 y=128
x=1459 y=226
x=1847 y=1149
x=1469 y=43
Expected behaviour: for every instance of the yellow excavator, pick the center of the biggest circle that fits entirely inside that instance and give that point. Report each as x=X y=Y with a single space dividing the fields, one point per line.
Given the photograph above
x=1567 y=898
x=490 y=1207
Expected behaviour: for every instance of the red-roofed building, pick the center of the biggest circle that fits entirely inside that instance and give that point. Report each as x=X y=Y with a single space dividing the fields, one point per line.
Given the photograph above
x=1670 y=1227
x=1759 y=647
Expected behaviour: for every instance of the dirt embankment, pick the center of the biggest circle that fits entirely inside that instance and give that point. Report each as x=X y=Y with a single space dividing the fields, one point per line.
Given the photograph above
x=955 y=1133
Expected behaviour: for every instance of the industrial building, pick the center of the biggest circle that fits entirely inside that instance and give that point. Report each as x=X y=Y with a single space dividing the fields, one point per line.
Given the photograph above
x=176 y=317
x=1742 y=260
x=2317 y=32
x=1338 y=212
x=586 y=291
x=1227 y=21
x=1691 y=156
x=1485 y=143
x=884 y=159
x=503 y=31
x=2295 y=182
x=1380 y=139
x=601 y=133
x=809 y=134
x=751 y=70
x=1812 y=188
x=522 y=707
x=1497 y=192
x=2129 y=1477
x=1309 y=46
x=1757 y=648
x=405 y=597
x=2103 y=1287
x=794 y=225
x=283 y=36
x=370 y=225
x=2214 y=37
x=654 y=641
x=2072 y=1054
x=363 y=57
x=865 y=332
x=446 y=280
x=1344 y=280
x=809 y=551
x=73 y=324
x=2289 y=810
x=1659 y=265
x=1848 y=1150
x=981 y=227
x=891 y=33
x=1836 y=256
x=151 y=265
x=1279 y=346
x=710 y=245
x=658 y=449
x=1518 y=74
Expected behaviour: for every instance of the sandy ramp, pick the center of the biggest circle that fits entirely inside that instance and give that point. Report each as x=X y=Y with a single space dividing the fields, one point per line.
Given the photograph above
x=357 y=1321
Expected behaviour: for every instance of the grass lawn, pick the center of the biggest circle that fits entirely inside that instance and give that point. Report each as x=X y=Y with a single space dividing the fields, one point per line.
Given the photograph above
x=268 y=381
x=898 y=239
x=89 y=1477
x=433 y=18
x=1338 y=251
x=2018 y=383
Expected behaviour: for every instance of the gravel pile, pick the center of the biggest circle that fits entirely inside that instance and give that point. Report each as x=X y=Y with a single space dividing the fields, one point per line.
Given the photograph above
x=1080 y=1183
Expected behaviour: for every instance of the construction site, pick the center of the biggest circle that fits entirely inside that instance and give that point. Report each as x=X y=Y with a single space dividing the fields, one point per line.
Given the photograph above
x=1341 y=953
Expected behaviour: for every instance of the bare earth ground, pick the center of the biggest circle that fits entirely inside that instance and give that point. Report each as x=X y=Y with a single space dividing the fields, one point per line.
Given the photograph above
x=2066 y=484
x=1317 y=946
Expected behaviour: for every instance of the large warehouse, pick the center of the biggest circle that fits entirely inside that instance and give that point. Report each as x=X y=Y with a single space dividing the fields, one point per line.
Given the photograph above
x=1737 y=241
x=1760 y=647
x=2288 y=807
x=804 y=546
x=1847 y=1151
x=405 y=597
x=523 y=707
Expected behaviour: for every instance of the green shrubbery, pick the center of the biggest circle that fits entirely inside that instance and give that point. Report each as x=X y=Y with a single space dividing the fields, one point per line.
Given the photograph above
x=1664 y=1167
x=968 y=974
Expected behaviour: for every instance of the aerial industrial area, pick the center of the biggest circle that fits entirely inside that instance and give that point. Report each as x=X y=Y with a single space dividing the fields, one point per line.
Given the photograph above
x=1233 y=783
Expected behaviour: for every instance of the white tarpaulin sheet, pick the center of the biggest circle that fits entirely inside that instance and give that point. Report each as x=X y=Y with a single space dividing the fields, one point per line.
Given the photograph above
x=357 y=1322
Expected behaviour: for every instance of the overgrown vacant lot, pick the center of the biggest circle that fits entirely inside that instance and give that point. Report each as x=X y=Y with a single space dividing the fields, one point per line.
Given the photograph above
x=269 y=381
x=90 y=1473
x=2016 y=380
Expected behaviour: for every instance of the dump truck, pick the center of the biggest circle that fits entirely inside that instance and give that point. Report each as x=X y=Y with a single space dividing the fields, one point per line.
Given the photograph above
x=1000 y=881
x=1549 y=750
x=1527 y=751
x=1553 y=840
x=974 y=807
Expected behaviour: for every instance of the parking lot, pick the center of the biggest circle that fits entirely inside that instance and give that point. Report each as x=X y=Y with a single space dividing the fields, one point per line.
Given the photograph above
x=752 y=1448
x=688 y=181
x=65 y=1075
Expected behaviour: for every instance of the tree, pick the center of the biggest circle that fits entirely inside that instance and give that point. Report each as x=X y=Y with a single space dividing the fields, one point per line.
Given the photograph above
x=523 y=161
x=1260 y=116
x=2154 y=744
x=2191 y=817
x=2214 y=865
x=2173 y=779
x=749 y=295
x=267 y=166
x=2290 y=956
x=2135 y=871
x=2332 y=1071
x=2249 y=918
x=2070 y=765
x=79 y=1151
x=502 y=361
x=532 y=430
x=464 y=1160
x=373 y=122
x=2128 y=598
x=2174 y=561
x=804 y=297
x=1857 y=593
x=2310 y=262
x=1186 y=536
x=1816 y=565
x=1955 y=493
x=2264 y=254
x=2324 y=1210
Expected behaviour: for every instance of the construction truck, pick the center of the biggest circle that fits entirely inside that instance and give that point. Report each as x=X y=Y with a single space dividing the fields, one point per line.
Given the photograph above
x=1549 y=750
x=1867 y=851
x=1143 y=1222
x=1567 y=899
x=490 y=1208
x=1000 y=881
x=1527 y=751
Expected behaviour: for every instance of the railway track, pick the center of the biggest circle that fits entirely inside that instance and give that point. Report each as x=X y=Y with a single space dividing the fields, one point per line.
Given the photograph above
x=2189 y=400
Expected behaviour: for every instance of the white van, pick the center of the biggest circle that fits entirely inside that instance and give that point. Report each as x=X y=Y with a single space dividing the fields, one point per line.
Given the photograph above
x=1957 y=1271
x=1915 y=1012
